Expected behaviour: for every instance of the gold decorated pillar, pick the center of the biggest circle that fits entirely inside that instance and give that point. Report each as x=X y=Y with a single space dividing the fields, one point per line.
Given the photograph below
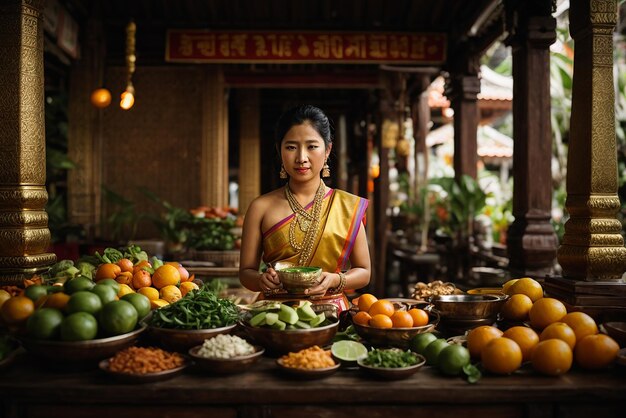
x=249 y=148
x=592 y=247
x=214 y=164
x=24 y=233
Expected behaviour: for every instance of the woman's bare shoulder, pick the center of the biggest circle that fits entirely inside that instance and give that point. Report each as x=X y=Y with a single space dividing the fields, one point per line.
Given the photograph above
x=267 y=200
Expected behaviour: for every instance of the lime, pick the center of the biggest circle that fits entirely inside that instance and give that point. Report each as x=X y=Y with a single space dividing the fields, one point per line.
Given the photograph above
x=84 y=302
x=118 y=317
x=140 y=302
x=55 y=289
x=79 y=326
x=35 y=291
x=347 y=350
x=432 y=350
x=105 y=292
x=44 y=324
x=452 y=359
x=111 y=282
x=78 y=284
x=419 y=342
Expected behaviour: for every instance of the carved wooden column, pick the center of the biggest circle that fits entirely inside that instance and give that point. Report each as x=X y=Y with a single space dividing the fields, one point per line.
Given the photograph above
x=24 y=233
x=249 y=148
x=531 y=240
x=214 y=165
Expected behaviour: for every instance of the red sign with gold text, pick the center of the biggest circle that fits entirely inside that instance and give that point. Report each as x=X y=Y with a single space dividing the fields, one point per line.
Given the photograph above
x=304 y=47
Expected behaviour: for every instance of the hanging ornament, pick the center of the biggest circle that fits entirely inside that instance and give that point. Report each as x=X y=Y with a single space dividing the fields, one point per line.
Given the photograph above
x=101 y=98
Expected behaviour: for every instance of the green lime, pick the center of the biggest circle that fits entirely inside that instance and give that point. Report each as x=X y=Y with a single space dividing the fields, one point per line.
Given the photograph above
x=118 y=317
x=432 y=351
x=84 y=301
x=140 y=302
x=112 y=283
x=105 y=292
x=54 y=289
x=79 y=326
x=452 y=359
x=44 y=324
x=419 y=342
x=347 y=350
x=35 y=291
x=78 y=284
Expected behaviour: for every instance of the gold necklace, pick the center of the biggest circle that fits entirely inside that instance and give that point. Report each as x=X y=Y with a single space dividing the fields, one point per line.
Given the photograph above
x=307 y=222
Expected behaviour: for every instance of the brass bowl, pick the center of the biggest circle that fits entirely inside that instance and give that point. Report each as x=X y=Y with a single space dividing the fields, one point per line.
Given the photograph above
x=181 y=340
x=464 y=307
x=395 y=337
x=617 y=331
x=225 y=365
x=393 y=373
x=298 y=279
x=141 y=377
x=486 y=291
x=81 y=351
x=307 y=374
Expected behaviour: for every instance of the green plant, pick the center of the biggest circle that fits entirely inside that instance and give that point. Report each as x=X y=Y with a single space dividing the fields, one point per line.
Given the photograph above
x=208 y=234
x=124 y=217
x=173 y=222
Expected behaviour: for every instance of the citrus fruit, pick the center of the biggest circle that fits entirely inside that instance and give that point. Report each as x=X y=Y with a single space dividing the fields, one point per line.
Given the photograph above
x=165 y=275
x=552 y=357
x=560 y=331
x=517 y=308
x=105 y=292
x=186 y=287
x=478 y=338
x=380 y=321
x=125 y=277
x=170 y=293
x=112 y=283
x=140 y=302
x=383 y=307
x=432 y=351
x=501 y=356
x=419 y=342
x=141 y=278
x=420 y=317
x=78 y=284
x=545 y=312
x=79 y=326
x=525 y=337
x=452 y=359
x=44 y=324
x=526 y=286
x=84 y=301
x=581 y=323
x=366 y=300
x=141 y=264
x=57 y=301
x=158 y=303
x=149 y=292
x=35 y=291
x=124 y=290
x=125 y=265
x=347 y=350
x=184 y=274
x=17 y=310
x=4 y=296
x=361 y=318
x=107 y=271
x=596 y=351
x=402 y=319
x=507 y=285
x=118 y=317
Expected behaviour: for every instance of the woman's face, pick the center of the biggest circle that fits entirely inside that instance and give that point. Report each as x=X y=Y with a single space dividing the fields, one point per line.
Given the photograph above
x=303 y=152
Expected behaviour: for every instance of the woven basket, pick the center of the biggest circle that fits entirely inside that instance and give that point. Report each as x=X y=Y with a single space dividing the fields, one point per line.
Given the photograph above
x=220 y=258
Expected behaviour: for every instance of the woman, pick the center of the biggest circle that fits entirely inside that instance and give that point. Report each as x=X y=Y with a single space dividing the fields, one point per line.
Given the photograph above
x=306 y=223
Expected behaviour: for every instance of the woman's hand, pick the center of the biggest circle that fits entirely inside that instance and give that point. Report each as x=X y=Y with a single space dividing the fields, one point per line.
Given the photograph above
x=269 y=280
x=327 y=280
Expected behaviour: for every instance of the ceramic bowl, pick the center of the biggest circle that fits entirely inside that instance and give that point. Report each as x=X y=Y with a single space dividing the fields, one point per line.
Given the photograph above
x=307 y=374
x=393 y=373
x=225 y=365
x=467 y=307
x=141 y=377
x=298 y=279
x=394 y=337
x=181 y=340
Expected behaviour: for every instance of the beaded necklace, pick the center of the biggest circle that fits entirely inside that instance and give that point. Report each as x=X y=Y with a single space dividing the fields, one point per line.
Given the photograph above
x=307 y=222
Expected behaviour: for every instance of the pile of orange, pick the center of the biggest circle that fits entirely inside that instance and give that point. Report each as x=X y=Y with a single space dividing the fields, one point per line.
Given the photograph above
x=383 y=314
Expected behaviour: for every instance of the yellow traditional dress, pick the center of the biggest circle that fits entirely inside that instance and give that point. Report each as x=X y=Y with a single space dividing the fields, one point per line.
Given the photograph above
x=341 y=218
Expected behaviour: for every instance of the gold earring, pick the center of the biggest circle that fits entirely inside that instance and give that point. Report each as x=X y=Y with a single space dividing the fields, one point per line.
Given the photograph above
x=283 y=172
x=325 y=170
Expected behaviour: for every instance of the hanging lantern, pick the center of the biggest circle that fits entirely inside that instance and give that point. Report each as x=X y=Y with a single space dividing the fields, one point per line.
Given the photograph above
x=128 y=96
x=101 y=98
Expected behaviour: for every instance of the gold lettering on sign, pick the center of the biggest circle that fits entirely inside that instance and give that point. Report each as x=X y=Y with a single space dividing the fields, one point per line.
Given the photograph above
x=206 y=46
x=281 y=45
x=224 y=45
x=417 y=47
x=238 y=45
x=378 y=46
x=398 y=46
x=260 y=46
x=321 y=46
x=357 y=46
x=186 y=45
x=303 y=48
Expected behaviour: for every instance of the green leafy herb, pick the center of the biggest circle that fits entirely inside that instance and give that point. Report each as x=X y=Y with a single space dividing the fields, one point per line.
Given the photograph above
x=390 y=358
x=348 y=334
x=472 y=373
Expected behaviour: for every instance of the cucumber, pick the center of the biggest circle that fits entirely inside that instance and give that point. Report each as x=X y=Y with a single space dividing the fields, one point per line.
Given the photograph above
x=279 y=325
x=317 y=320
x=302 y=325
x=258 y=319
x=306 y=313
x=271 y=318
x=287 y=314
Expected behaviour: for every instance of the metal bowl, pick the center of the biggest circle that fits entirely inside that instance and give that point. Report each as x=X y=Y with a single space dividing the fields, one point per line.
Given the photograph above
x=617 y=331
x=225 y=365
x=141 y=377
x=298 y=279
x=181 y=340
x=462 y=307
x=395 y=337
x=307 y=374
x=393 y=373
x=81 y=351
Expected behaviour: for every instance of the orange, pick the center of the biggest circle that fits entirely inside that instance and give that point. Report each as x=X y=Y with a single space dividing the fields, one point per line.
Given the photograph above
x=125 y=264
x=140 y=264
x=149 y=292
x=184 y=274
x=560 y=331
x=552 y=357
x=508 y=284
x=166 y=275
x=107 y=271
x=420 y=317
x=17 y=310
x=545 y=312
x=526 y=286
x=402 y=319
x=502 y=356
x=517 y=308
x=361 y=318
x=366 y=300
x=170 y=293
x=381 y=321
x=158 y=303
x=57 y=301
x=596 y=351
x=186 y=287
x=141 y=278
x=125 y=277
x=581 y=323
x=525 y=337
x=383 y=307
x=124 y=290
x=478 y=338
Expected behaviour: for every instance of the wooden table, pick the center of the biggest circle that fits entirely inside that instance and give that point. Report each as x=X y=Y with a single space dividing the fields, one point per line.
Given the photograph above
x=27 y=390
